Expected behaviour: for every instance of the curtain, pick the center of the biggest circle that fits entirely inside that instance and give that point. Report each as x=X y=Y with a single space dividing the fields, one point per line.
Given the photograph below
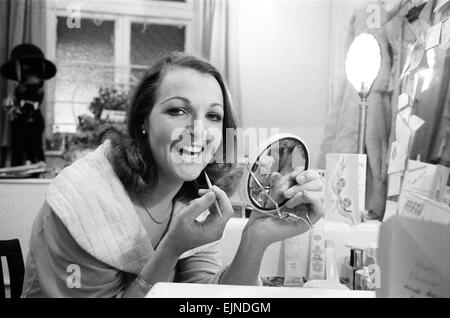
x=21 y=21
x=218 y=34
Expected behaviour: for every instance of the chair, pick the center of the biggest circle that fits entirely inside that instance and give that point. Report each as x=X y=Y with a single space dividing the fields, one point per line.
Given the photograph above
x=13 y=253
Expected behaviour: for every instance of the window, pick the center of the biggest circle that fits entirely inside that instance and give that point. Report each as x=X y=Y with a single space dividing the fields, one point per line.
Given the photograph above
x=85 y=61
x=114 y=45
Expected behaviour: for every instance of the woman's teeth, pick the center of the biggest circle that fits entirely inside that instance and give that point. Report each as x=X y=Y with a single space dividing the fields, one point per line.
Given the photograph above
x=190 y=151
x=193 y=149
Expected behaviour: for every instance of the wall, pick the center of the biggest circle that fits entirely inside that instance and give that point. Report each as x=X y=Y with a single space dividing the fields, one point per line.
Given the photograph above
x=284 y=60
x=20 y=201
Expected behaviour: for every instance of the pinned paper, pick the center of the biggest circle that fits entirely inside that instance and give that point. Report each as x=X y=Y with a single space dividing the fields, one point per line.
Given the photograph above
x=397 y=157
x=390 y=210
x=420 y=207
x=415 y=122
x=445 y=34
x=402 y=130
x=433 y=38
x=411 y=86
x=394 y=182
x=426 y=179
x=403 y=100
x=398 y=165
x=417 y=54
x=405 y=114
x=440 y=4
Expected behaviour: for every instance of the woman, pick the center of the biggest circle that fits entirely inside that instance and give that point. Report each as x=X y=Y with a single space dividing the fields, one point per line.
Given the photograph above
x=130 y=214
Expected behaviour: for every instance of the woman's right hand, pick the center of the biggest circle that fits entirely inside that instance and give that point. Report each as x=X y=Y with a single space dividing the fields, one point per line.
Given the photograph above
x=186 y=233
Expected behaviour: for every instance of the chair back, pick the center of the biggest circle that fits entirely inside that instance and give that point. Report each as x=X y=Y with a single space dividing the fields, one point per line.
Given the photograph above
x=16 y=268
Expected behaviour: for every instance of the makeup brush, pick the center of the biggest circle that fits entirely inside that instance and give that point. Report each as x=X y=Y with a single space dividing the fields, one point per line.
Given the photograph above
x=215 y=202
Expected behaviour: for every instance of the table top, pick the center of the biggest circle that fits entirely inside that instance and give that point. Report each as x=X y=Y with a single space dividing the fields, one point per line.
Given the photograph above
x=185 y=290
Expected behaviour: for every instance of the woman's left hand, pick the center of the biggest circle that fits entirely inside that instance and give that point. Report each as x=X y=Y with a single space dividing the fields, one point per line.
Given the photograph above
x=299 y=188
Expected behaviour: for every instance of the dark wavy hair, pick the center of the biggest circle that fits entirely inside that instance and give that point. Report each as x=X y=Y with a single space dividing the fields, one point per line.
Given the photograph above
x=131 y=156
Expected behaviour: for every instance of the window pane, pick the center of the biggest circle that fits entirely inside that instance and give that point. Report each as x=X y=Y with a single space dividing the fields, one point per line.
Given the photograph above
x=85 y=60
x=150 y=42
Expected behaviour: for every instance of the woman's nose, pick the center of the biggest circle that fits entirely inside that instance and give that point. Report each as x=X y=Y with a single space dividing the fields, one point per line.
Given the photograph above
x=198 y=132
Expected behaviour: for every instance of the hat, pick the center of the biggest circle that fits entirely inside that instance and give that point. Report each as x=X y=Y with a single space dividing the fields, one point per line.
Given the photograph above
x=26 y=52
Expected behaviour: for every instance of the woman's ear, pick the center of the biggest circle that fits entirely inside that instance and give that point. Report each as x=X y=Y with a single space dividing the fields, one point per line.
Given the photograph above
x=145 y=123
x=144 y=127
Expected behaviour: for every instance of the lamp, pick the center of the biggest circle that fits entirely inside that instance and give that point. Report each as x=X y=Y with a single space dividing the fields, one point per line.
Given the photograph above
x=362 y=66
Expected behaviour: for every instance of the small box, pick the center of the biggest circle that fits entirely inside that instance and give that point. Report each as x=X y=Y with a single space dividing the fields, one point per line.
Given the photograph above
x=345 y=187
x=426 y=179
x=414 y=258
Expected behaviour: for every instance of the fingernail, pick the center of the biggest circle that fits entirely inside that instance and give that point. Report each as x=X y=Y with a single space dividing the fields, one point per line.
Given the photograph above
x=289 y=193
x=212 y=197
x=301 y=180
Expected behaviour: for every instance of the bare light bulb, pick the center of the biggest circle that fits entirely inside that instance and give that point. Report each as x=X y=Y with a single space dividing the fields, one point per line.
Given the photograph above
x=363 y=63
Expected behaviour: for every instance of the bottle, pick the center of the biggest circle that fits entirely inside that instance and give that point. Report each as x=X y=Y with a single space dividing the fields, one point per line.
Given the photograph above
x=349 y=268
x=371 y=265
x=356 y=261
x=331 y=268
x=362 y=279
x=371 y=256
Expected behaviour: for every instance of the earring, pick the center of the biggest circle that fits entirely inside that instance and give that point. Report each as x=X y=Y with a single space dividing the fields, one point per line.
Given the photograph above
x=144 y=132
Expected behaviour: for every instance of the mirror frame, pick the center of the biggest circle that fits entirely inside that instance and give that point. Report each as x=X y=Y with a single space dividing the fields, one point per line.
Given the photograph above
x=251 y=162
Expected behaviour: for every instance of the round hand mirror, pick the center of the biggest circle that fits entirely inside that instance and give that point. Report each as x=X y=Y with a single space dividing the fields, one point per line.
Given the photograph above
x=270 y=174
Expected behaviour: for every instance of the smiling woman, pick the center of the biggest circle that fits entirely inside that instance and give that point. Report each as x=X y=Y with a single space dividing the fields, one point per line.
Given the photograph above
x=131 y=213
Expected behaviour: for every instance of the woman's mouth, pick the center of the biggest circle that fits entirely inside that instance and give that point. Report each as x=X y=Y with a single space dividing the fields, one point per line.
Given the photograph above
x=190 y=153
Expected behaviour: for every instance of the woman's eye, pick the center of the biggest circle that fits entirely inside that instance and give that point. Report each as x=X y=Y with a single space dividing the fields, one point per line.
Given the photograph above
x=214 y=117
x=176 y=112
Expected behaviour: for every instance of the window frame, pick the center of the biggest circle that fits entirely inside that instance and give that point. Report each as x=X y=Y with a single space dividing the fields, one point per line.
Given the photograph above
x=123 y=14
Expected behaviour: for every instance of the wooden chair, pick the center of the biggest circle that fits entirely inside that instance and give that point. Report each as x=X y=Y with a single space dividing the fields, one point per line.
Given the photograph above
x=16 y=268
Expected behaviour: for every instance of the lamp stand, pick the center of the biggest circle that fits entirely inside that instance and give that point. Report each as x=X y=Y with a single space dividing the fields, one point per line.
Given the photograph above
x=362 y=124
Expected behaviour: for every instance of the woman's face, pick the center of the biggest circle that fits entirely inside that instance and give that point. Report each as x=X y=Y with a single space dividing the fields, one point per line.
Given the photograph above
x=185 y=125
